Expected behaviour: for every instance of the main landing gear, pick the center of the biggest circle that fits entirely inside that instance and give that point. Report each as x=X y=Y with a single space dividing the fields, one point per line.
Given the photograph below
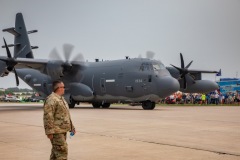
x=72 y=102
x=99 y=104
x=148 y=105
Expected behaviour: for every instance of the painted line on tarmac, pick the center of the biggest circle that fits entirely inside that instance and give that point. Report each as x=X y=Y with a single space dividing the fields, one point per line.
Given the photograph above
x=165 y=144
x=21 y=124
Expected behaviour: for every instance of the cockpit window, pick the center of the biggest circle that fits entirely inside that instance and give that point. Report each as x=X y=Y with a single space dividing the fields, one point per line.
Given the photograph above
x=146 y=67
x=158 y=66
x=152 y=66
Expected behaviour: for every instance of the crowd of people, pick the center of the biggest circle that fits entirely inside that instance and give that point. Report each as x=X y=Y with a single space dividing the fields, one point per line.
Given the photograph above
x=202 y=98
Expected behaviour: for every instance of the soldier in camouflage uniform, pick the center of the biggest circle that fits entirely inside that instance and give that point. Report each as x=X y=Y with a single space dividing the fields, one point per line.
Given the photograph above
x=57 y=121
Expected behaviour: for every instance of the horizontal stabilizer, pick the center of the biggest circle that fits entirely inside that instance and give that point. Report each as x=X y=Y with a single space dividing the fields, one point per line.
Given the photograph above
x=34 y=47
x=11 y=45
x=12 y=31
x=32 y=31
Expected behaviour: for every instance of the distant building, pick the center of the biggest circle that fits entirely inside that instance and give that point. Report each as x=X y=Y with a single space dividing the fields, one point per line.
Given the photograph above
x=23 y=93
x=2 y=89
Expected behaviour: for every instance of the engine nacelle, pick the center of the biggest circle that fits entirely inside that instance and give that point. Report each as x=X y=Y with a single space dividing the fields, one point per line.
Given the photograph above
x=54 y=69
x=3 y=69
x=37 y=80
x=201 y=86
x=80 y=92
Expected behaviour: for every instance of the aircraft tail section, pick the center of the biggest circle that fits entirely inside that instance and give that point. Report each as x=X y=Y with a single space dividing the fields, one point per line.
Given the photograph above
x=22 y=46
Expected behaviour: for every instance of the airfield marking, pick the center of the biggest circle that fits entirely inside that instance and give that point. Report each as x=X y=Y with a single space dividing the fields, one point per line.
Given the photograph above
x=159 y=143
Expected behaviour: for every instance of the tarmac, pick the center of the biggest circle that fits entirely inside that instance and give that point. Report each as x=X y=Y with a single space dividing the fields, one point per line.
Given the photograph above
x=126 y=133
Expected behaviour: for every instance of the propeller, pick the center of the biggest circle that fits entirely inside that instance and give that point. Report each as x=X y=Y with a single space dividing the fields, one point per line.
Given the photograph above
x=11 y=62
x=67 y=51
x=67 y=62
x=184 y=73
x=149 y=55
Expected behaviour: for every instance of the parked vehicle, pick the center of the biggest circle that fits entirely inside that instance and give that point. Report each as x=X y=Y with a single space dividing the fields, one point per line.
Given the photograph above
x=33 y=99
x=11 y=99
x=2 y=98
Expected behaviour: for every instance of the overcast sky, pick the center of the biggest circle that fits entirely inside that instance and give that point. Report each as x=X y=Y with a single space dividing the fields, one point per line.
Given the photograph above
x=205 y=31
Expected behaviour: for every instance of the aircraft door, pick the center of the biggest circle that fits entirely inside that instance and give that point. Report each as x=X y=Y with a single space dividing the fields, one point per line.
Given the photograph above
x=148 y=83
x=102 y=85
x=147 y=68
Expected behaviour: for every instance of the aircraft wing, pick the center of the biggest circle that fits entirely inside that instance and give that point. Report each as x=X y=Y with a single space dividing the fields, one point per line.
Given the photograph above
x=44 y=65
x=176 y=73
x=201 y=71
x=38 y=64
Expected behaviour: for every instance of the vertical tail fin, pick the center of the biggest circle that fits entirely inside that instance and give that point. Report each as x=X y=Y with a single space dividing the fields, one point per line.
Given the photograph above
x=22 y=46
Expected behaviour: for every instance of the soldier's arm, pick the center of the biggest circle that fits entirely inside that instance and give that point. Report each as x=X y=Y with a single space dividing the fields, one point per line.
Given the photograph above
x=48 y=117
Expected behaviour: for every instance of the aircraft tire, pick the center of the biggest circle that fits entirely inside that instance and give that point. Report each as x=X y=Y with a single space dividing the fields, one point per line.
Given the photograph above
x=72 y=103
x=148 y=105
x=96 y=105
x=106 y=105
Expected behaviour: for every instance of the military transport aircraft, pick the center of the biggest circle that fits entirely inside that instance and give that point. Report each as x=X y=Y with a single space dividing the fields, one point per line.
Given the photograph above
x=141 y=80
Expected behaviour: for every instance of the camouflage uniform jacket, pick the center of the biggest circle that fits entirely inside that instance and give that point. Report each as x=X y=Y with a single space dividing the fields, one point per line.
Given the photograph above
x=56 y=116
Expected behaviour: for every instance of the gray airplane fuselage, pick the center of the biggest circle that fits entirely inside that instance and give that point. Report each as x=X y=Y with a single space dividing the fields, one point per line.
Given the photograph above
x=127 y=80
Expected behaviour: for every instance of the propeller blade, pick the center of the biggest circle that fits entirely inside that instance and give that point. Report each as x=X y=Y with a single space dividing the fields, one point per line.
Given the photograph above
x=79 y=57
x=11 y=62
x=16 y=76
x=189 y=64
x=150 y=54
x=179 y=69
x=65 y=66
x=185 y=77
x=54 y=55
x=7 y=49
x=182 y=61
x=67 y=49
x=184 y=83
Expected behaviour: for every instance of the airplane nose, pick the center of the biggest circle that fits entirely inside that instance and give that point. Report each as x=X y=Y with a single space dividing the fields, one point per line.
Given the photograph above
x=167 y=86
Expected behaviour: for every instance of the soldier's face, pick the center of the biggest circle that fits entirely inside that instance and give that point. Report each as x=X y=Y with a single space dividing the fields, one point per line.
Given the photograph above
x=61 y=89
